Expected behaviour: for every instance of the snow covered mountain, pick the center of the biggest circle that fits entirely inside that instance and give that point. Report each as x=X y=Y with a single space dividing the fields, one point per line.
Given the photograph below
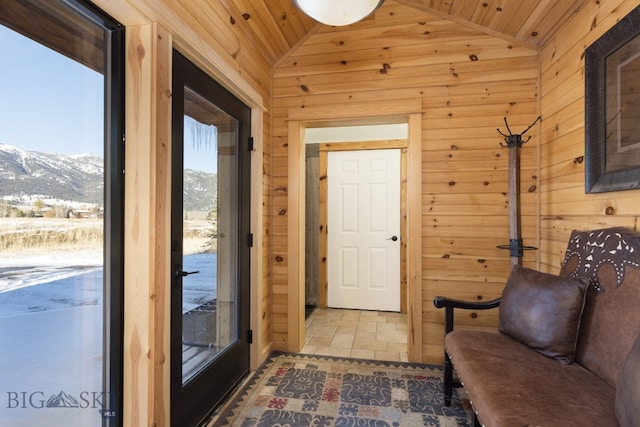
x=50 y=175
x=200 y=190
x=25 y=175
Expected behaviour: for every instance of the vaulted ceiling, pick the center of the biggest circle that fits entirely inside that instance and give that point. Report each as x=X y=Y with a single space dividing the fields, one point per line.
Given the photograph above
x=279 y=26
x=527 y=21
x=276 y=27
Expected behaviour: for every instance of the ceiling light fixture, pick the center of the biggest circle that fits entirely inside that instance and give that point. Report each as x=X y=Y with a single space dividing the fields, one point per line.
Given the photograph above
x=337 y=12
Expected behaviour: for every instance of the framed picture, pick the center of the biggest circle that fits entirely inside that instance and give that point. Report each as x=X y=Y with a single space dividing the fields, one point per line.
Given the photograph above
x=612 y=108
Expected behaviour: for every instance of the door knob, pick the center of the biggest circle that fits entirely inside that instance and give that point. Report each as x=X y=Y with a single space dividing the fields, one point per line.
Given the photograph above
x=394 y=238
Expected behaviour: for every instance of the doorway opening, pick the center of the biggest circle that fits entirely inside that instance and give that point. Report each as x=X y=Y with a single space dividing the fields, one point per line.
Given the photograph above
x=299 y=121
x=356 y=329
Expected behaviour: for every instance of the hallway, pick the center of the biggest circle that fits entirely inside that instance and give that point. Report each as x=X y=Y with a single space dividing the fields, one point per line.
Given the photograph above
x=376 y=335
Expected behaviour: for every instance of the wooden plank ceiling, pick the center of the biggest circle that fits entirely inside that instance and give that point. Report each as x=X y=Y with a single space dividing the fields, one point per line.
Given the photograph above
x=277 y=26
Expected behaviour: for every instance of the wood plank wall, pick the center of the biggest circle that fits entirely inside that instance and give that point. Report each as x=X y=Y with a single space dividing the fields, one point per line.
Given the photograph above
x=466 y=82
x=564 y=204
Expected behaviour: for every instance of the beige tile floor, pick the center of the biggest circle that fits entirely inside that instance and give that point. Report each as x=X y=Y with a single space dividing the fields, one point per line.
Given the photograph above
x=360 y=334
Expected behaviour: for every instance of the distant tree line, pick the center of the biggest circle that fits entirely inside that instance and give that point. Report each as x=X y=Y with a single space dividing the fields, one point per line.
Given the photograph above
x=42 y=210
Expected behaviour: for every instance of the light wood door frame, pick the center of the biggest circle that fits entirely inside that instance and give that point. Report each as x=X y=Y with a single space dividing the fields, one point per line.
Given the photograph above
x=323 y=255
x=409 y=113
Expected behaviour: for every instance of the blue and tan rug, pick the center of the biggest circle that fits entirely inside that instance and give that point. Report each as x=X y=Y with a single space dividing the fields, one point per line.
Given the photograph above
x=303 y=390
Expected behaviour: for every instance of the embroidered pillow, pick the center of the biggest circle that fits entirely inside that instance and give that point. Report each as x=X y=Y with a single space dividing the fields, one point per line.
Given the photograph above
x=543 y=311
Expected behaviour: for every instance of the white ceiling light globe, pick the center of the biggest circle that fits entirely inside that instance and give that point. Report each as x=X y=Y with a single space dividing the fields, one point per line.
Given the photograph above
x=338 y=12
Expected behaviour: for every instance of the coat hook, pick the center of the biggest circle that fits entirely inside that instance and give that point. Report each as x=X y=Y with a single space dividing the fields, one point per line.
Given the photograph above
x=515 y=140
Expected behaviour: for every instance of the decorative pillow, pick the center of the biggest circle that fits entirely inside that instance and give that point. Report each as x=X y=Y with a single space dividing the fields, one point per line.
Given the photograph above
x=628 y=391
x=543 y=311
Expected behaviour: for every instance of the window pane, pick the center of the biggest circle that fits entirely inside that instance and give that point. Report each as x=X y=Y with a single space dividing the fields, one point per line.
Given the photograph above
x=51 y=217
x=209 y=292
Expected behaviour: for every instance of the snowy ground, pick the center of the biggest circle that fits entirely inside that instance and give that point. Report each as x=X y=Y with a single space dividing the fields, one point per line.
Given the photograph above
x=19 y=270
x=51 y=334
x=51 y=343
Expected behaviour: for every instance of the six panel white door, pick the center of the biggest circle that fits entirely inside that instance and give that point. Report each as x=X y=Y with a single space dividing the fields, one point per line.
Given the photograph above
x=363 y=239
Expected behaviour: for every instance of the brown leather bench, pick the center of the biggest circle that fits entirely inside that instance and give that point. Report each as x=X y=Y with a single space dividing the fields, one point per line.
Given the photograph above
x=567 y=351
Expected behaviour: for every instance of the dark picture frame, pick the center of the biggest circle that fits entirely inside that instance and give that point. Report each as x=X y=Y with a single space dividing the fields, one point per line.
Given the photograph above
x=612 y=108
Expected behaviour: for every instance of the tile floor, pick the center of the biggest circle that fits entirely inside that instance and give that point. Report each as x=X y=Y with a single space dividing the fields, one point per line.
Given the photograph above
x=376 y=335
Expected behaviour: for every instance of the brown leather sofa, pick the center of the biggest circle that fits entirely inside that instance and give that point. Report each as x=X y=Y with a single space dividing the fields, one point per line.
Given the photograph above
x=567 y=349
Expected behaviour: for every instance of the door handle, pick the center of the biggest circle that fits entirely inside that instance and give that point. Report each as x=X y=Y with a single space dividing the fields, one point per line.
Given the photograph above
x=181 y=273
x=394 y=238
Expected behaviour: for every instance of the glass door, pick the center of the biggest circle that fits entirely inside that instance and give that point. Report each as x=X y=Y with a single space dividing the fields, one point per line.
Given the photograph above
x=210 y=204
x=61 y=214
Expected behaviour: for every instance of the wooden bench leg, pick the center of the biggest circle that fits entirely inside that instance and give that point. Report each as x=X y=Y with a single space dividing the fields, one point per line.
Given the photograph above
x=448 y=380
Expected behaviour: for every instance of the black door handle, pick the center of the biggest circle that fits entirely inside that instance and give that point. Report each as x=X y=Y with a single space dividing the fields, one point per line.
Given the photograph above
x=185 y=273
x=394 y=238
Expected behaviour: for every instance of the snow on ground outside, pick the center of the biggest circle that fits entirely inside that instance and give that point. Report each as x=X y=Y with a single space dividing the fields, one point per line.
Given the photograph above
x=51 y=342
x=51 y=333
x=18 y=271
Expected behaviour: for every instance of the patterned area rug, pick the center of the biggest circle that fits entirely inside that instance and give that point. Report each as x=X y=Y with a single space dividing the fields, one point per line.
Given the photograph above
x=304 y=390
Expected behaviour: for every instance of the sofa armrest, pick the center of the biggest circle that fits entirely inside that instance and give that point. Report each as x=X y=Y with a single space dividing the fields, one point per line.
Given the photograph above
x=449 y=304
x=441 y=302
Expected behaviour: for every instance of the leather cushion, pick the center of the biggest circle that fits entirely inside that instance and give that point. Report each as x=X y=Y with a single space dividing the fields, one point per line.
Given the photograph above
x=628 y=392
x=510 y=385
x=543 y=311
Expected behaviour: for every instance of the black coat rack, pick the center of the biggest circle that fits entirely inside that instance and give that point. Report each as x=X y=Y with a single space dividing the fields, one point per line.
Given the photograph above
x=514 y=142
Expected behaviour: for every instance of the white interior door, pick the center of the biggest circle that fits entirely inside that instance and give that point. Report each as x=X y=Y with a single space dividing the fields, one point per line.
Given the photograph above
x=363 y=202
